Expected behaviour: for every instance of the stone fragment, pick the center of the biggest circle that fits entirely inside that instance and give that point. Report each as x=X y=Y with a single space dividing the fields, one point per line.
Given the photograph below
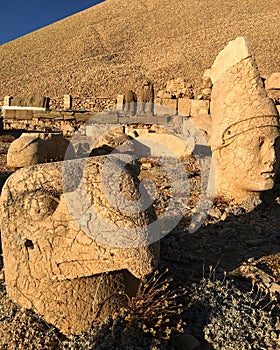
x=34 y=148
x=206 y=80
x=278 y=109
x=245 y=126
x=199 y=107
x=70 y=248
x=273 y=82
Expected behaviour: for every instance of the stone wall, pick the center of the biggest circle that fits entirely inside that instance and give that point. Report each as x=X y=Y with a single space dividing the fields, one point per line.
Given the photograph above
x=95 y=104
x=68 y=113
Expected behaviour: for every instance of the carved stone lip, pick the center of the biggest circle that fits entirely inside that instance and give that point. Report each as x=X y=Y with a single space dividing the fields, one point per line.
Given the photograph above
x=268 y=174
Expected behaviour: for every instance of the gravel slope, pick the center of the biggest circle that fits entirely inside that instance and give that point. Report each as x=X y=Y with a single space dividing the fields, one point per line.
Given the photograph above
x=116 y=44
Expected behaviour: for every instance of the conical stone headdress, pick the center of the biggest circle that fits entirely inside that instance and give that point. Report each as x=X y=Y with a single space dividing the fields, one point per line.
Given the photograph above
x=239 y=102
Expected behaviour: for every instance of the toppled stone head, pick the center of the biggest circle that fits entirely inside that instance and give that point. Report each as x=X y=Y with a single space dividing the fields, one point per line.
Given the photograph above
x=245 y=126
x=69 y=249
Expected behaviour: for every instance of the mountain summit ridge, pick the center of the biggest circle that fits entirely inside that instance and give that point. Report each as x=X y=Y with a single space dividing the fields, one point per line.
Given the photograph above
x=116 y=45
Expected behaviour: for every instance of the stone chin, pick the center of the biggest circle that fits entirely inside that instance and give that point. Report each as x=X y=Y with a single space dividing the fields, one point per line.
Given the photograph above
x=266 y=182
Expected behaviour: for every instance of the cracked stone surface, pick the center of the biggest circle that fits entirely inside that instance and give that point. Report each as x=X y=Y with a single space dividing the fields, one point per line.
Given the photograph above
x=52 y=266
x=245 y=128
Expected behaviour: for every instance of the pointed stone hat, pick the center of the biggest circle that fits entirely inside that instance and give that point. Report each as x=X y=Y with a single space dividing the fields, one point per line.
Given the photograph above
x=239 y=102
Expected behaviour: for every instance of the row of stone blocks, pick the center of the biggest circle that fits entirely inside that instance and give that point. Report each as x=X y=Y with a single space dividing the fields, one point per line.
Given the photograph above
x=166 y=106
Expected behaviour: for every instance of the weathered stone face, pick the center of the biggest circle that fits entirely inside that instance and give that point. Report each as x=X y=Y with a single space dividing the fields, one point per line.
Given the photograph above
x=51 y=264
x=248 y=165
x=245 y=126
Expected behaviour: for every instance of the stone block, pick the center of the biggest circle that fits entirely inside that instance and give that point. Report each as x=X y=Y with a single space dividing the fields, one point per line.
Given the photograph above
x=81 y=117
x=67 y=102
x=199 y=107
x=120 y=103
x=273 y=82
x=184 y=106
x=165 y=106
x=9 y=114
x=24 y=114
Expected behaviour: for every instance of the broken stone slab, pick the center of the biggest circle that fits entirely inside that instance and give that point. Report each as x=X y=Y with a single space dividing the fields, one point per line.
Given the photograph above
x=69 y=250
x=34 y=148
x=273 y=82
x=245 y=126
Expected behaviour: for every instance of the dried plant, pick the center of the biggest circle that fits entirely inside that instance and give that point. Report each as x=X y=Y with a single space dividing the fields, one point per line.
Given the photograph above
x=156 y=308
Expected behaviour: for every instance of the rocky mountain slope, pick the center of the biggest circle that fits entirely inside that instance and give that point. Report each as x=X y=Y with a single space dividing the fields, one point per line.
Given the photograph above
x=115 y=45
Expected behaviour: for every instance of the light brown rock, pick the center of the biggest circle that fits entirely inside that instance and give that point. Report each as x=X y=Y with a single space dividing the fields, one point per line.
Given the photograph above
x=273 y=82
x=34 y=148
x=166 y=145
x=199 y=107
x=184 y=106
x=69 y=248
x=165 y=106
x=245 y=125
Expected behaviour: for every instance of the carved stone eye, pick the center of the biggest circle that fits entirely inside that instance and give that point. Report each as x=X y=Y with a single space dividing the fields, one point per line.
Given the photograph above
x=40 y=205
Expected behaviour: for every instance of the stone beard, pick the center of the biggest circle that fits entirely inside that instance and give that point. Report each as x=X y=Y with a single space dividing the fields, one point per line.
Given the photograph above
x=247 y=164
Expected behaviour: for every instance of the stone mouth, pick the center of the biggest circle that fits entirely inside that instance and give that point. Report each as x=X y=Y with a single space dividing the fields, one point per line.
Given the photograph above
x=268 y=175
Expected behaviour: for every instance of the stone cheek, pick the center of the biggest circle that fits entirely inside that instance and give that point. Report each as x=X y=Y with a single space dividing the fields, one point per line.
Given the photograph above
x=51 y=265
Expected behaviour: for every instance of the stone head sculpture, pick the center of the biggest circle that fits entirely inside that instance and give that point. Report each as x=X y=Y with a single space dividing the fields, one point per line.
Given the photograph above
x=52 y=264
x=245 y=126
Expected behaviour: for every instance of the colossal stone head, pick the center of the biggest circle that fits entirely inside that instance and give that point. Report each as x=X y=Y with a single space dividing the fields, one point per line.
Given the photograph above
x=69 y=248
x=245 y=126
